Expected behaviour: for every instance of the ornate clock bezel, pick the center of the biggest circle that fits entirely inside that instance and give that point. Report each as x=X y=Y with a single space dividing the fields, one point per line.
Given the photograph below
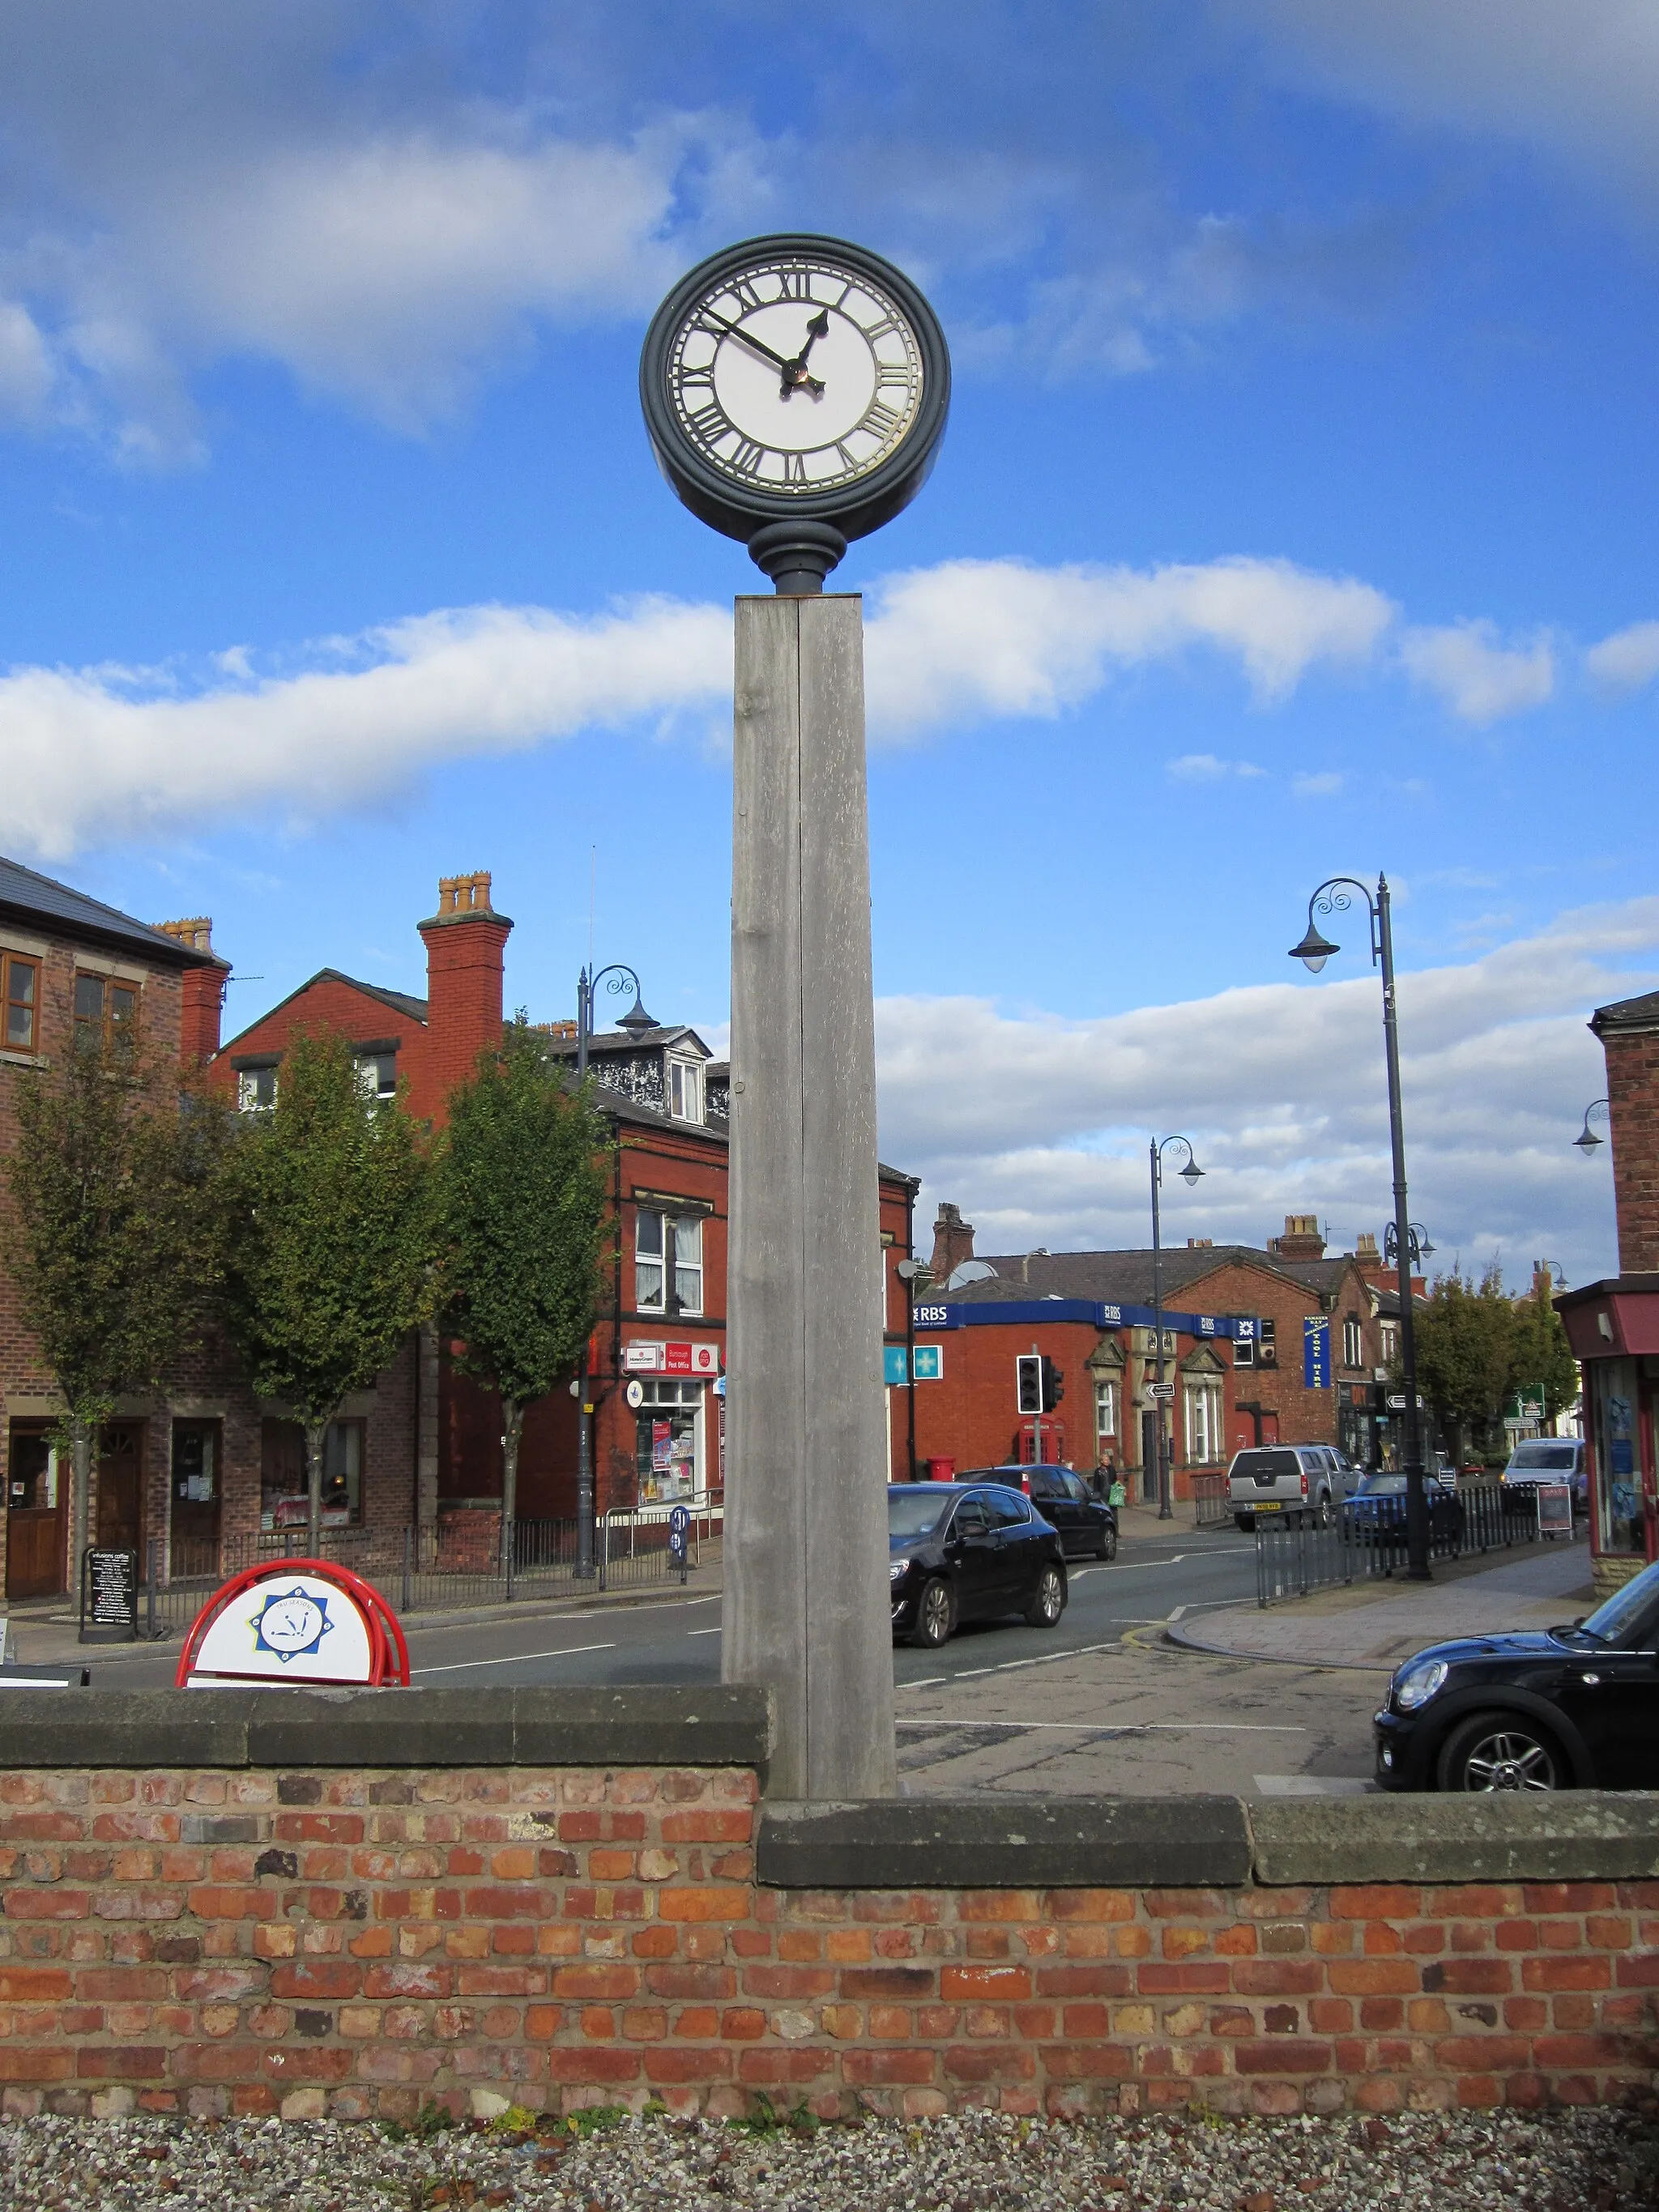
x=738 y=510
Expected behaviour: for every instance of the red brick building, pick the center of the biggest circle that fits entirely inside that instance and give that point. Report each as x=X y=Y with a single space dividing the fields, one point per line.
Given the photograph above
x=1236 y=1322
x=71 y=968
x=1613 y=1325
x=206 y=1471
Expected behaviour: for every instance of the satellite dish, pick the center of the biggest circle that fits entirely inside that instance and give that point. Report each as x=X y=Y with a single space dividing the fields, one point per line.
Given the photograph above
x=970 y=1270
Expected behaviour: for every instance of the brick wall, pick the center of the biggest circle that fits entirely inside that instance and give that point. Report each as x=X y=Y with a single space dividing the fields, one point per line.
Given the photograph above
x=327 y=1940
x=1632 y=1062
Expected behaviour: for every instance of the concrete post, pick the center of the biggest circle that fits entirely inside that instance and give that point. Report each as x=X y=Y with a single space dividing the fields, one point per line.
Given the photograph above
x=806 y=1612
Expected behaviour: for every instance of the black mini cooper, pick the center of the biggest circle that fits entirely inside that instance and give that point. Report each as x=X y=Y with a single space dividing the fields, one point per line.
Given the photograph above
x=1572 y=1708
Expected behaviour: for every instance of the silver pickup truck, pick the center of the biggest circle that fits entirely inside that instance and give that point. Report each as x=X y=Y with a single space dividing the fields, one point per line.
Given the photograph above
x=1298 y=1483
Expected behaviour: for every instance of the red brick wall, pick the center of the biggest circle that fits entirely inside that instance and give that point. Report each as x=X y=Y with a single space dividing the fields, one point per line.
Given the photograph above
x=464 y=966
x=358 y=1942
x=1633 y=1108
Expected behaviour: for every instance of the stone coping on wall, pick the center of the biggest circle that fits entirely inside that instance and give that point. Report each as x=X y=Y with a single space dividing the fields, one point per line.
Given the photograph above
x=663 y=1724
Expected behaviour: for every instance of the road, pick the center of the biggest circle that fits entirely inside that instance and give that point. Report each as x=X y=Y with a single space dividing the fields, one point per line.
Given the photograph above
x=1096 y=1704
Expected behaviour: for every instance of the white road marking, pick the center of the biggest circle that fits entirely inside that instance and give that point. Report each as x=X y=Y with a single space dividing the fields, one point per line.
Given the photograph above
x=1177 y=1613
x=424 y=1627
x=464 y=1666
x=703 y=1632
x=929 y=1682
x=1120 y=1727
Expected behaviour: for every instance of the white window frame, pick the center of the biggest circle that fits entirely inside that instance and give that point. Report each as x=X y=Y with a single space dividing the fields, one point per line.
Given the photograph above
x=685 y=1235
x=685 y=1088
x=1390 y=1335
x=249 y=1080
x=1353 y=1343
x=373 y=1068
x=1105 y=1417
x=1205 y=1445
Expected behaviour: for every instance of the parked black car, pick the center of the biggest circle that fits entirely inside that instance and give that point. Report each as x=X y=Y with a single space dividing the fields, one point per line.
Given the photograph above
x=970 y=1551
x=1576 y=1707
x=1087 y=1524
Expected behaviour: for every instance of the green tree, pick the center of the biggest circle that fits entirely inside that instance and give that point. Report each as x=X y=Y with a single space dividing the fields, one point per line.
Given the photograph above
x=523 y=1182
x=1542 y=1363
x=333 y=1253
x=1465 y=1347
x=115 y=1242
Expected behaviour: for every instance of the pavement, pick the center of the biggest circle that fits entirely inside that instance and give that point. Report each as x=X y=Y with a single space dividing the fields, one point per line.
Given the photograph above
x=1377 y=1624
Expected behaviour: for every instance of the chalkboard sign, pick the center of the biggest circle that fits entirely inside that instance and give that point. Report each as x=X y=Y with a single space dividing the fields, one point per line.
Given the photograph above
x=109 y=1597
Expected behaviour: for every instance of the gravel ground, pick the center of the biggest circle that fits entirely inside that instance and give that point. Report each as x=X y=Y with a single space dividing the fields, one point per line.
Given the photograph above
x=1574 y=2161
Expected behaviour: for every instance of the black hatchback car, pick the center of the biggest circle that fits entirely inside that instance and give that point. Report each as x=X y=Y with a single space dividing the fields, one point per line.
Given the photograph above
x=1574 y=1707
x=1086 y=1525
x=970 y=1551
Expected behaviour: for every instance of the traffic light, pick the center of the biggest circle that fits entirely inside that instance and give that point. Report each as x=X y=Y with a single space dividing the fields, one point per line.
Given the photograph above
x=1054 y=1385
x=1028 y=1382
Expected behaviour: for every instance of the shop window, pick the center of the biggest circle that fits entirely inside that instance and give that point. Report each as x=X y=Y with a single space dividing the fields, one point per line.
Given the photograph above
x=20 y=994
x=283 y=1499
x=1618 y=1479
x=1105 y=1421
x=33 y=1481
x=106 y=1017
x=668 y=1450
x=661 y=1241
x=195 y=1508
x=685 y=1089
x=1353 y=1344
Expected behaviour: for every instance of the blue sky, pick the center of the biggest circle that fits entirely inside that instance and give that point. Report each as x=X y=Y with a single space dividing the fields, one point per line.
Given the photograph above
x=1295 y=515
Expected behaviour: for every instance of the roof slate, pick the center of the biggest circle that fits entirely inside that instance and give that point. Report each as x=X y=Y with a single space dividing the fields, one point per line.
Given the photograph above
x=1126 y=1277
x=43 y=899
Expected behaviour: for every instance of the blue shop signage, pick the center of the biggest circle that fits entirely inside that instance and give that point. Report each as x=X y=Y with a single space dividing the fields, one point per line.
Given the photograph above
x=1316 y=1353
x=1094 y=1313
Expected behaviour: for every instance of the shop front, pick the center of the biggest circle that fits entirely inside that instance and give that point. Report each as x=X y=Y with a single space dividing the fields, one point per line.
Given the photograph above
x=674 y=1394
x=1613 y=1329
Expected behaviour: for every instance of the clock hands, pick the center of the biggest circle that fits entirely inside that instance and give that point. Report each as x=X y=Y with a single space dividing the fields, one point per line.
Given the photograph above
x=794 y=372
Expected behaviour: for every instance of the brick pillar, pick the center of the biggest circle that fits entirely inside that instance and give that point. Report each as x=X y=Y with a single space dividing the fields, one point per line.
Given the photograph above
x=202 y=990
x=953 y=1242
x=1632 y=1061
x=465 y=942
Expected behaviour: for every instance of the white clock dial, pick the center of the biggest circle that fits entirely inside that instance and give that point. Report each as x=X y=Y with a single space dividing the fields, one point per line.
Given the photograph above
x=795 y=375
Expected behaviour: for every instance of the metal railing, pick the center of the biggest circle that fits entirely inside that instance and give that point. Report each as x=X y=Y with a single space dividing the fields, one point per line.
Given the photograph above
x=430 y=1569
x=1364 y=1540
x=1212 y=1506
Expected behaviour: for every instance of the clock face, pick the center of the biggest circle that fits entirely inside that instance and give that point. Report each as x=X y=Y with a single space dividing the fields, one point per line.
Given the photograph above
x=796 y=374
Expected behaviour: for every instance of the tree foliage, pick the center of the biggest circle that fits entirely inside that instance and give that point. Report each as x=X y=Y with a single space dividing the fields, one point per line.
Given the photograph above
x=1477 y=1348
x=523 y=1200
x=334 y=1240
x=115 y=1245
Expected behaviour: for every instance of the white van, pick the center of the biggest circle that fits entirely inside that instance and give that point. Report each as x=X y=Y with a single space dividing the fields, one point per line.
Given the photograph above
x=1551 y=1459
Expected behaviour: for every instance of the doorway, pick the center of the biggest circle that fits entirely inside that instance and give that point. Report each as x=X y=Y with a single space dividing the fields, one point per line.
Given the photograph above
x=35 y=1501
x=118 y=1517
x=194 y=1526
x=1149 y=1458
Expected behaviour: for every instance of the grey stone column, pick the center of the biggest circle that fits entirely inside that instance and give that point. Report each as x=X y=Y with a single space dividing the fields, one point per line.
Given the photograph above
x=806 y=1612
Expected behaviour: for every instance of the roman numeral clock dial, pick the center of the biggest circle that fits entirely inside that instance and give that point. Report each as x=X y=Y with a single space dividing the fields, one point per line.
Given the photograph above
x=795 y=380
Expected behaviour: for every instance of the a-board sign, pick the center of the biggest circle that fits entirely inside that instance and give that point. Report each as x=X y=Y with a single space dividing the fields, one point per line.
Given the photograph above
x=109 y=1595
x=297 y=1623
x=1554 y=1509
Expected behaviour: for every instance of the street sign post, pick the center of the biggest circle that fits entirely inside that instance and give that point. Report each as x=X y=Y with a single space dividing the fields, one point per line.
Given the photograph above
x=1164 y=1390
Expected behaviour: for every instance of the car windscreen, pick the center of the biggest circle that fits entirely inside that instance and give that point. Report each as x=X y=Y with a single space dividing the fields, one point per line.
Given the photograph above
x=1616 y=1621
x=1559 y=1459
x=1267 y=1463
x=1380 y=1485
x=914 y=1512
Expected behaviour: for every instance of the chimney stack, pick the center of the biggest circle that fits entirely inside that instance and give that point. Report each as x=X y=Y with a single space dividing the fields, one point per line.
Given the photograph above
x=202 y=989
x=465 y=941
x=953 y=1242
x=1301 y=1240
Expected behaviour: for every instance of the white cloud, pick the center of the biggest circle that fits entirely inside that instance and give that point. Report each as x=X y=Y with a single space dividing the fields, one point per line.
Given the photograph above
x=1575 y=80
x=1325 y=784
x=1206 y=767
x=1036 y=1126
x=973 y=638
x=26 y=373
x=1478 y=678
x=1627 y=659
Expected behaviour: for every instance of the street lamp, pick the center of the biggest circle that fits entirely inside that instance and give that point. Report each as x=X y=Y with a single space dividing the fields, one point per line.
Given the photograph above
x=1314 y=951
x=1587 y=1140
x=1417 y=1242
x=636 y=1021
x=906 y=1271
x=1189 y=1175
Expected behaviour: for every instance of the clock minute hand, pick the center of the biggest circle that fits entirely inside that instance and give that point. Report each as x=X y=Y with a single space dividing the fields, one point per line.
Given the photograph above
x=754 y=344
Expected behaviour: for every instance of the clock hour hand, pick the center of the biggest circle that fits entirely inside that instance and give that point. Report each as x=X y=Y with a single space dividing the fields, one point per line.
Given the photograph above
x=795 y=376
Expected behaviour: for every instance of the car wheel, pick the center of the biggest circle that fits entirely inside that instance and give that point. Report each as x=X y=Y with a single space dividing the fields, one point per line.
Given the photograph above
x=1246 y=1521
x=1108 y=1545
x=936 y=1614
x=1322 y=1519
x=1501 y=1751
x=1049 y=1602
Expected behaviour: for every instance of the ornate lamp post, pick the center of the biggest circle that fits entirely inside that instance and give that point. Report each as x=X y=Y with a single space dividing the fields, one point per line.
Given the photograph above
x=1189 y=1175
x=636 y=1021
x=1418 y=1246
x=906 y=1271
x=1587 y=1140
x=1314 y=951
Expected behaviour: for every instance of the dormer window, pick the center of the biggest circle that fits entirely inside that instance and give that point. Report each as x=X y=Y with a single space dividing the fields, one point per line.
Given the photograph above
x=684 y=1090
